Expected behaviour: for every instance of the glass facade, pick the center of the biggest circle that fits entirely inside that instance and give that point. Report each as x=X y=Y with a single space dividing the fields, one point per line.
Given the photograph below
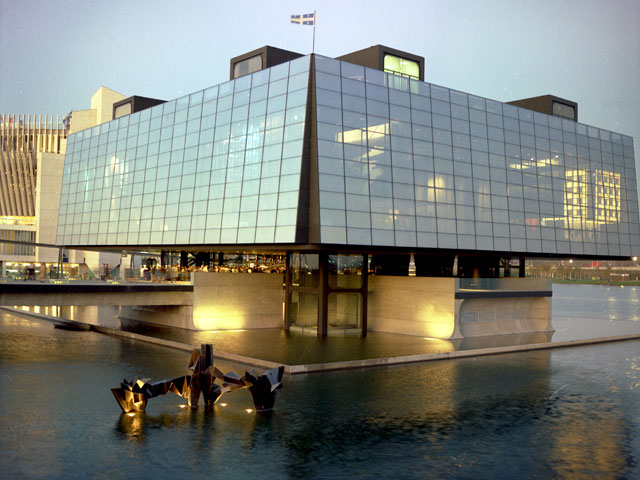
x=221 y=165
x=400 y=163
x=403 y=163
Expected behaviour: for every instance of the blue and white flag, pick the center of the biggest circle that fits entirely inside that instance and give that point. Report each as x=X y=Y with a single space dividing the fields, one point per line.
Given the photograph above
x=306 y=19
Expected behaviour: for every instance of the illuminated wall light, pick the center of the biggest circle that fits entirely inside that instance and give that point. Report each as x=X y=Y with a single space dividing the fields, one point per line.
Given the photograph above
x=249 y=410
x=436 y=324
x=218 y=317
x=223 y=405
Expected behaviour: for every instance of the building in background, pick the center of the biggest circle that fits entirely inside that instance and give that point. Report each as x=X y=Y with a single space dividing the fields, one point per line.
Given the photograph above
x=354 y=167
x=32 y=149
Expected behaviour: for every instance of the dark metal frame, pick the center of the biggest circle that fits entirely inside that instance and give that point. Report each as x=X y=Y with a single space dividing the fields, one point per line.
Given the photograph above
x=323 y=290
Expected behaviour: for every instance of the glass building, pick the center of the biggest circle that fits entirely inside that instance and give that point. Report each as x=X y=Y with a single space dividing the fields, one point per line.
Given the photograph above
x=333 y=162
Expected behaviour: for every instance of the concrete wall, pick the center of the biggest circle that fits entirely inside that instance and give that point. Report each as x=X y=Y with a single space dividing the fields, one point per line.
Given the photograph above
x=221 y=301
x=229 y=301
x=66 y=295
x=102 y=102
x=423 y=306
x=500 y=316
x=48 y=187
x=426 y=306
x=81 y=119
x=21 y=232
x=180 y=316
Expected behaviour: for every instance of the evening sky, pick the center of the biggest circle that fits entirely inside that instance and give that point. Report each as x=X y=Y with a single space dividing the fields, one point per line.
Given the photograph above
x=54 y=54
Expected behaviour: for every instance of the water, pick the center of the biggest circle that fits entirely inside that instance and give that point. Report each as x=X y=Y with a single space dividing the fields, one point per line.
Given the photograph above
x=562 y=413
x=590 y=311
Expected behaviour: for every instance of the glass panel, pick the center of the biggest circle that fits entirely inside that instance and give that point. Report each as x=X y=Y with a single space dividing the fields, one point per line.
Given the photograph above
x=345 y=271
x=344 y=311
x=303 y=310
x=305 y=270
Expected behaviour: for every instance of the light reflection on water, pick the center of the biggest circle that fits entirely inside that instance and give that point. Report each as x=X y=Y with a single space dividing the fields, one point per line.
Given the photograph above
x=597 y=301
x=561 y=413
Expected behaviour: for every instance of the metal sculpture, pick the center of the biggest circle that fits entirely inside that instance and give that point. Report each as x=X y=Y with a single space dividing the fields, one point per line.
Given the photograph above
x=132 y=396
x=202 y=378
x=263 y=388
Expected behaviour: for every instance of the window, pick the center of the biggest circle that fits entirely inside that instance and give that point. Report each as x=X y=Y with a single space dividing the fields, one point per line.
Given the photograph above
x=122 y=110
x=563 y=110
x=245 y=67
x=401 y=66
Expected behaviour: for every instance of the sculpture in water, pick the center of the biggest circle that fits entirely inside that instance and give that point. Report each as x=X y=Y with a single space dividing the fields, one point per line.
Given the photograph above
x=132 y=396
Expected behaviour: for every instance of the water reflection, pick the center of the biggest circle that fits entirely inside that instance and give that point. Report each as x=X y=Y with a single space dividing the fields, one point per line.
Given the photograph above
x=562 y=413
x=130 y=426
x=597 y=301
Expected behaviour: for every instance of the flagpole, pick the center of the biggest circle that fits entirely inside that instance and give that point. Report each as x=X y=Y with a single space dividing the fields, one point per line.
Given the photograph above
x=315 y=19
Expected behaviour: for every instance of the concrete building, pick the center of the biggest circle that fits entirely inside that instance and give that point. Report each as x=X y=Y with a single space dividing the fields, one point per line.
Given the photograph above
x=398 y=205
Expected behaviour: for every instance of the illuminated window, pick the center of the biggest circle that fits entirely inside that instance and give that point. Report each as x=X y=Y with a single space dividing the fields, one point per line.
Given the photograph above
x=607 y=198
x=13 y=220
x=401 y=66
x=247 y=66
x=576 y=197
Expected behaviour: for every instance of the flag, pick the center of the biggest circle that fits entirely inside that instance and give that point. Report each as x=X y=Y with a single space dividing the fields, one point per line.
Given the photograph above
x=306 y=19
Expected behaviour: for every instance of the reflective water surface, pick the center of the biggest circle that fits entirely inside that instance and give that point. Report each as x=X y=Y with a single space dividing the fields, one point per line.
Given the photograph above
x=561 y=413
x=590 y=311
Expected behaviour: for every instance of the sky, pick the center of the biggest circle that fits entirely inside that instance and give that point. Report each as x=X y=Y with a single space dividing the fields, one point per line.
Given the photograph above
x=54 y=54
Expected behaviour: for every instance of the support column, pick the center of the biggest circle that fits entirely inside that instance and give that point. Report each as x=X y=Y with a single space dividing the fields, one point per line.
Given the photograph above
x=60 y=256
x=456 y=319
x=323 y=292
x=123 y=269
x=364 y=292
x=287 y=291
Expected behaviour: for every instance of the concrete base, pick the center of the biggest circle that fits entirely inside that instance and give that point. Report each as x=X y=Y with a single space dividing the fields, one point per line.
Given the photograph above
x=221 y=301
x=179 y=316
x=232 y=301
x=423 y=306
x=431 y=307
x=500 y=316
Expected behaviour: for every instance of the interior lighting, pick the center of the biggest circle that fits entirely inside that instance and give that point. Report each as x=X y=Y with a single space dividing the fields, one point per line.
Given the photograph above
x=249 y=410
x=131 y=414
x=182 y=406
x=223 y=404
